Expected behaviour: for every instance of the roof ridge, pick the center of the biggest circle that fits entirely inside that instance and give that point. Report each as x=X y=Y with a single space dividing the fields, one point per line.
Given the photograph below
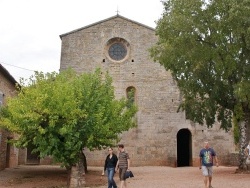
x=7 y=74
x=104 y=20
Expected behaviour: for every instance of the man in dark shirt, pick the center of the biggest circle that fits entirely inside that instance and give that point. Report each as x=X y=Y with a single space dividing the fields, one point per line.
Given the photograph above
x=207 y=155
x=123 y=164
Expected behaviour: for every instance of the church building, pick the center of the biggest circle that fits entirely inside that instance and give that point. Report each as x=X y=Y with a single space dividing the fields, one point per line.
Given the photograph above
x=162 y=136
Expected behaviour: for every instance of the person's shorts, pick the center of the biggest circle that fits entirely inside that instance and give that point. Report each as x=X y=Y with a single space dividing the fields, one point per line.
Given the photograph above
x=122 y=173
x=207 y=170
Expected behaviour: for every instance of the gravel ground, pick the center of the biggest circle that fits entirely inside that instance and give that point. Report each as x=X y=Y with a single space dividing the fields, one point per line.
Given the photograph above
x=44 y=176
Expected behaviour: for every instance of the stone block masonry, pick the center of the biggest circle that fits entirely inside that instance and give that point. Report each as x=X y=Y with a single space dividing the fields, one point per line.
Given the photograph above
x=162 y=136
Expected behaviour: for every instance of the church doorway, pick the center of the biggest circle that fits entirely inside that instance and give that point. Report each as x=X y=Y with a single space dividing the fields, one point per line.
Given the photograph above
x=184 y=148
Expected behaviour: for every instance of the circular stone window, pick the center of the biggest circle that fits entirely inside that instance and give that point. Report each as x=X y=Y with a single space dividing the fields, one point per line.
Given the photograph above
x=117 y=51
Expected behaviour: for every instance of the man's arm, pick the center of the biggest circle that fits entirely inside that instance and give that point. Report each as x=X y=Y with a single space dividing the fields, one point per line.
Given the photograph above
x=200 y=162
x=128 y=163
x=216 y=161
x=200 y=155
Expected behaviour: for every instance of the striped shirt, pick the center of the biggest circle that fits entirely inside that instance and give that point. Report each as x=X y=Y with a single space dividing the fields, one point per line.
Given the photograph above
x=123 y=159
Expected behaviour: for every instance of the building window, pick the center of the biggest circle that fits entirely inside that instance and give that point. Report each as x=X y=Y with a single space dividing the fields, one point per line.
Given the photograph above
x=117 y=51
x=130 y=95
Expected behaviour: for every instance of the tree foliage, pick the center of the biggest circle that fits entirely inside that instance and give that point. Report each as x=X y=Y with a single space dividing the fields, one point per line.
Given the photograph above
x=206 y=46
x=60 y=114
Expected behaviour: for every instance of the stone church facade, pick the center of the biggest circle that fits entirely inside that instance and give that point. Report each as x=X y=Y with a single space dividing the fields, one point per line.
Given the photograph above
x=162 y=136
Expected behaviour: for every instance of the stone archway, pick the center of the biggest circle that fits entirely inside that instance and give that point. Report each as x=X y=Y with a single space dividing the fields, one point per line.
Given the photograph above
x=184 y=148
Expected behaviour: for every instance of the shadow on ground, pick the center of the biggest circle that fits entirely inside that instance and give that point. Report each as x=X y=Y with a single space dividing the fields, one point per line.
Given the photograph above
x=45 y=176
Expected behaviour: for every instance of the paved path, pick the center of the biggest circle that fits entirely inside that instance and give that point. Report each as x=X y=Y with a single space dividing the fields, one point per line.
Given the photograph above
x=186 y=177
x=145 y=177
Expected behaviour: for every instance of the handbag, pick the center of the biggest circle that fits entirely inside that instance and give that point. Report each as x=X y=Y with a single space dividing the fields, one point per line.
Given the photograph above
x=129 y=174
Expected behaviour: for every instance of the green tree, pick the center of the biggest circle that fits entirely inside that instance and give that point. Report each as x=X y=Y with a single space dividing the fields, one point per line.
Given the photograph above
x=60 y=114
x=206 y=46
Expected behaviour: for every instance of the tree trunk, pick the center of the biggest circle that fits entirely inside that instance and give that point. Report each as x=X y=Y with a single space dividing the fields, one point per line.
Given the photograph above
x=242 y=143
x=244 y=129
x=76 y=174
x=84 y=161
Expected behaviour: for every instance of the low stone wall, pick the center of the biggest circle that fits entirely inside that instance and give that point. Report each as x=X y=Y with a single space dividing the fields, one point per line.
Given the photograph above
x=234 y=159
x=22 y=156
x=46 y=161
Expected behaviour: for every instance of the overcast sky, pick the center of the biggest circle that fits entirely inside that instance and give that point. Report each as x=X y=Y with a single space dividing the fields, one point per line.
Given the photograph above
x=30 y=29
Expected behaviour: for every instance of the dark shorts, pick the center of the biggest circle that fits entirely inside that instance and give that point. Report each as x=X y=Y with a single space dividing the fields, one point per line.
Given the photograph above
x=122 y=173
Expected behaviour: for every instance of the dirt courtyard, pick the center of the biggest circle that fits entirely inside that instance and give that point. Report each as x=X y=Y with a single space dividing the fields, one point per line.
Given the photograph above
x=44 y=176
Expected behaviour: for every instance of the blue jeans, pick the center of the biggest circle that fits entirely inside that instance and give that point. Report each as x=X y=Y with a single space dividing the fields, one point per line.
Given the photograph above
x=110 y=174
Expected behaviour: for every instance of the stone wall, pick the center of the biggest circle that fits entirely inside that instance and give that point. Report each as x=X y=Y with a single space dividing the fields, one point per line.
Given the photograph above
x=234 y=159
x=154 y=140
x=8 y=153
x=46 y=161
x=3 y=148
x=22 y=156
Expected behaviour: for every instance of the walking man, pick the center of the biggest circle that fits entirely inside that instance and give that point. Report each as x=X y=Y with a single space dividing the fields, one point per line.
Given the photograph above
x=207 y=156
x=123 y=164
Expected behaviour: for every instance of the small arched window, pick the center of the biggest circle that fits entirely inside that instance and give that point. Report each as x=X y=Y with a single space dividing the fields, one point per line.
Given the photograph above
x=130 y=91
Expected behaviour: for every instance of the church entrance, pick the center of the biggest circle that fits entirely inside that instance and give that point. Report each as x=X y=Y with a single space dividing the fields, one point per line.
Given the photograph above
x=184 y=148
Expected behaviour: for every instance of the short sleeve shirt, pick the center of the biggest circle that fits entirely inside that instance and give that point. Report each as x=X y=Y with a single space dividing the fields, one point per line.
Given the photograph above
x=207 y=156
x=123 y=159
